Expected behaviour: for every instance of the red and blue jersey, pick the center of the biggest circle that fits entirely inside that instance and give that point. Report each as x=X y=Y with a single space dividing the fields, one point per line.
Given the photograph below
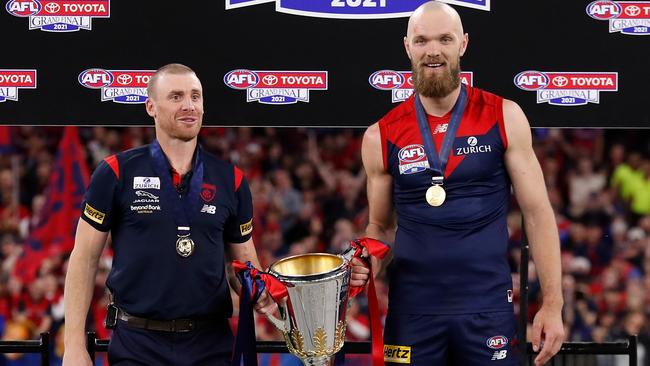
x=450 y=259
x=149 y=278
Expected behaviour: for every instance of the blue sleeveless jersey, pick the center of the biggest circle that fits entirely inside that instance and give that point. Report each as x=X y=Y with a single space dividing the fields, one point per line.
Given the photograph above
x=450 y=259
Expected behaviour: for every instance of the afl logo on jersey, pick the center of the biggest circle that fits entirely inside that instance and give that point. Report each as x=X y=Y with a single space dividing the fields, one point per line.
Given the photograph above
x=412 y=159
x=497 y=342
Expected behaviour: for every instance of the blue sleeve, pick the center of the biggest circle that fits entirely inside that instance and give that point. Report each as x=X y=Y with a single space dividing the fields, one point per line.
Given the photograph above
x=97 y=207
x=240 y=225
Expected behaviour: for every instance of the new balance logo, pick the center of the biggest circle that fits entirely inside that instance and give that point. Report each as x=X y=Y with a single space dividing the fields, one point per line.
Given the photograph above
x=209 y=209
x=441 y=128
x=499 y=355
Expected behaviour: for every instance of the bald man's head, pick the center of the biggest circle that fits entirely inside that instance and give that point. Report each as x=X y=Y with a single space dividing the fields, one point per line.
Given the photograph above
x=442 y=9
x=435 y=42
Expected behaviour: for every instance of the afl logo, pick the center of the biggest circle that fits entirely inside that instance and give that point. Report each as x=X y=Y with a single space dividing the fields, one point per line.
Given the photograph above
x=23 y=8
x=386 y=80
x=241 y=79
x=95 y=78
x=603 y=10
x=472 y=141
x=497 y=342
x=411 y=153
x=531 y=80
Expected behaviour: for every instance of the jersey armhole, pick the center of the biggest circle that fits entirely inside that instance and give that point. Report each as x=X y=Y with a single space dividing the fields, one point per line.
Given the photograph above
x=500 y=121
x=384 y=150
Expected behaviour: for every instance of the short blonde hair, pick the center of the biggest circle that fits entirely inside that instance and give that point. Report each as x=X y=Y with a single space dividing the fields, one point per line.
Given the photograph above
x=167 y=69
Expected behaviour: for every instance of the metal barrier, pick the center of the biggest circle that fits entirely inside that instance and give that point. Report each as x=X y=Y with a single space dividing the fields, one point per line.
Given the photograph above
x=101 y=345
x=41 y=346
x=566 y=357
x=571 y=352
x=563 y=358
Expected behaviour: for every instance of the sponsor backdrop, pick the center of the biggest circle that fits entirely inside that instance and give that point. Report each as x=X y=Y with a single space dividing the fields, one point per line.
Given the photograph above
x=317 y=62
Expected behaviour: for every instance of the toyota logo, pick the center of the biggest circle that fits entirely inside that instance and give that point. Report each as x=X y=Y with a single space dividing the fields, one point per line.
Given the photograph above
x=270 y=79
x=52 y=8
x=124 y=79
x=632 y=10
x=560 y=81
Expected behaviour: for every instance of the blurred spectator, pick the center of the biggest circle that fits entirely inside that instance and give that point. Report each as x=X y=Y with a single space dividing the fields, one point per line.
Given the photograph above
x=640 y=191
x=308 y=192
x=584 y=181
x=286 y=199
x=627 y=174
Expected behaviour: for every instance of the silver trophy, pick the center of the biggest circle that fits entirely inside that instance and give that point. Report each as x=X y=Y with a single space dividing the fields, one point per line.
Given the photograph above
x=313 y=317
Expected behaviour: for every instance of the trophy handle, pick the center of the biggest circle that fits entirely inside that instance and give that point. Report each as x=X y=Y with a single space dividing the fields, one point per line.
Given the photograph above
x=348 y=253
x=278 y=323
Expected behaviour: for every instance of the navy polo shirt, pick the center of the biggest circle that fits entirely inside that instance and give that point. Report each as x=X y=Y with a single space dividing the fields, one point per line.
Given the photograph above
x=149 y=278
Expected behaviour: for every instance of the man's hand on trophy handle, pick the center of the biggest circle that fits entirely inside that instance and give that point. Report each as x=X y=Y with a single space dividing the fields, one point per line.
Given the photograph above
x=360 y=271
x=265 y=304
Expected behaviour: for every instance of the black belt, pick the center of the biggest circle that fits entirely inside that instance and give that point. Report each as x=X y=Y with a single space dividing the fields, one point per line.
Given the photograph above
x=174 y=325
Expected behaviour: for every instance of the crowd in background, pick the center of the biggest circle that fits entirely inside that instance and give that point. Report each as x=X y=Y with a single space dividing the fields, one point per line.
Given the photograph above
x=308 y=188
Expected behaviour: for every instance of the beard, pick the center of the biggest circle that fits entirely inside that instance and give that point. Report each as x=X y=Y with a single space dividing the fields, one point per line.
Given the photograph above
x=435 y=86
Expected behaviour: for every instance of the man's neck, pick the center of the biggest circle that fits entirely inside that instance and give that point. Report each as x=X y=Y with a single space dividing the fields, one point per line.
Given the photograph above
x=440 y=106
x=178 y=152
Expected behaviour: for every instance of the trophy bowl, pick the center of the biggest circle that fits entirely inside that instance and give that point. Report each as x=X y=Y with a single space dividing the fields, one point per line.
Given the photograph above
x=313 y=317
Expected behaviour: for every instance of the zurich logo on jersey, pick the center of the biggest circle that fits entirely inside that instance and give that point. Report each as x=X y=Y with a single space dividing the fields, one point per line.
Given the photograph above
x=412 y=159
x=472 y=147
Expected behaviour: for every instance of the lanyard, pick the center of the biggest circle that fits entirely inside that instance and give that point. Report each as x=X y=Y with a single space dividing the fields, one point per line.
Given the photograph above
x=438 y=163
x=183 y=208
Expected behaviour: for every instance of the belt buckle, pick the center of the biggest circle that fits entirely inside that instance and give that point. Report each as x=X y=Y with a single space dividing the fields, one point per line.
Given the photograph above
x=183 y=325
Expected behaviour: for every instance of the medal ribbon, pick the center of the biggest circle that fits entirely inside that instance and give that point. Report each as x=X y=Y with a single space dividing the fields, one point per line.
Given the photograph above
x=437 y=164
x=183 y=208
x=378 y=249
x=253 y=284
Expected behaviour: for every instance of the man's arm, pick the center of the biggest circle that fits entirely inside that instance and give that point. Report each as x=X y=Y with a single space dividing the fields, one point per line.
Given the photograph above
x=79 y=285
x=246 y=252
x=381 y=218
x=530 y=190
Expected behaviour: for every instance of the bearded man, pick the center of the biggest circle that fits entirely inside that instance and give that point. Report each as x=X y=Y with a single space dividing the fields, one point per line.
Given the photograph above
x=440 y=168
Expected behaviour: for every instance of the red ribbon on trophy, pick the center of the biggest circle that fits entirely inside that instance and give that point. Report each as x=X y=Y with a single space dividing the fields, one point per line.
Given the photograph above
x=378 y=249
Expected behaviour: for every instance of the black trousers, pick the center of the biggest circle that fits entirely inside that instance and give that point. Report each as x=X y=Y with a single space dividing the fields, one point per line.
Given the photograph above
x=210 y=345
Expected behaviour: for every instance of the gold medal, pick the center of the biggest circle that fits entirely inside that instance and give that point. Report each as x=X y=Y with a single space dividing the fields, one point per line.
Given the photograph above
x=436 y=195
x=184 y=246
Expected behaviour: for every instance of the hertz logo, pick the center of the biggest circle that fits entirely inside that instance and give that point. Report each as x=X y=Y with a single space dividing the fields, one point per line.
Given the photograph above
x=246 y=228
x=93 y=214
x=397 y=354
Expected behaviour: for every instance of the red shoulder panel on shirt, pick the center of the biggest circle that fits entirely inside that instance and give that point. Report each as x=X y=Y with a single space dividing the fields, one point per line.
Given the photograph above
x=239 y=175
x=112 y=162
x=502 y=126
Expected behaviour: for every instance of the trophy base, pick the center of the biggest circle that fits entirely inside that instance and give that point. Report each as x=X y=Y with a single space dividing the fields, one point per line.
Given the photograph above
x=318 y=361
